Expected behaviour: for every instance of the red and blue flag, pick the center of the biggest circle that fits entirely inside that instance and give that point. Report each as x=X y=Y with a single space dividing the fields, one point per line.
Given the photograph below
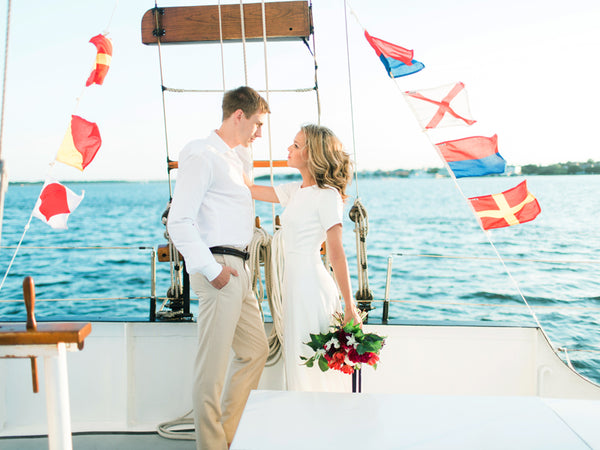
x=473 y=156
x=397 y=60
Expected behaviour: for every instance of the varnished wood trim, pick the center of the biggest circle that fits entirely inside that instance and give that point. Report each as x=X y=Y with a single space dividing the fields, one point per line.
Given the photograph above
x=185 y=24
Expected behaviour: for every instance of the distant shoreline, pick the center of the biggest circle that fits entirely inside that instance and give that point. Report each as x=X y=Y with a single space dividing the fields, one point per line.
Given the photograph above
x=569 y=168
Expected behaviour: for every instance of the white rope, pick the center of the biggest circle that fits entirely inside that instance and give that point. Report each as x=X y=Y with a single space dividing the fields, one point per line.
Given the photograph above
x=358 y=214
x=351 y=102
x=8 y=8
x=243 y=23
x=277 y=269
x=260 y=250
x=107 y=29
x=264 y=29
x=164 y=429
x=16 y=251
x=222 y=47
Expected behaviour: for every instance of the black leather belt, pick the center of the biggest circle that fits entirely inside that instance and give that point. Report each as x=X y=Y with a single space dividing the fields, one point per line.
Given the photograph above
x=230 y=251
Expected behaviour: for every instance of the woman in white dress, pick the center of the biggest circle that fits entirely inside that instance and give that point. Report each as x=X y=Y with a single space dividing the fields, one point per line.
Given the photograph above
x=313 y=214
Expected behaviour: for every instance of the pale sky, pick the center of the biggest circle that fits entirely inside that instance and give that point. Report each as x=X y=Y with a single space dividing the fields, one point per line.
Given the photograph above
x=530 y=67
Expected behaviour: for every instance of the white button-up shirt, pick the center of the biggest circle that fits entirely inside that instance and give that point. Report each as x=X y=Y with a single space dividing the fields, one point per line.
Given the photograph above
x=211 y=205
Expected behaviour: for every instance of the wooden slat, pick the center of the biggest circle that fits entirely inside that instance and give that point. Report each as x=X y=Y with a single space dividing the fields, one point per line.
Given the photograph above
x=257 y=163
x=184 y=24
x=46 y=333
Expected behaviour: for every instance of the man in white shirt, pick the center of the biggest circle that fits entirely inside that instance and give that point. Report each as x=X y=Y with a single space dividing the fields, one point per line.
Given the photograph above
x=211 y=224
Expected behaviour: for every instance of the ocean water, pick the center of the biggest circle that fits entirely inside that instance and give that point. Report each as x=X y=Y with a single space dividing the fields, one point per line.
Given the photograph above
x=444 y=268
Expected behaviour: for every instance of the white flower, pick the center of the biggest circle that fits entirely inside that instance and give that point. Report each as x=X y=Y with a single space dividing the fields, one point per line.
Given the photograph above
x=320 y=353
x=333 y=341
x=350 y=363
x=351 y=342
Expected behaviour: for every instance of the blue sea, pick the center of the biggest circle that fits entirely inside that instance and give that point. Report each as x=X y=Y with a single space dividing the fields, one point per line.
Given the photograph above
x=444 y=267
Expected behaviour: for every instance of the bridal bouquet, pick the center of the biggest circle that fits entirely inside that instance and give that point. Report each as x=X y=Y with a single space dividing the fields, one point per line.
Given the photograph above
x=344 y=347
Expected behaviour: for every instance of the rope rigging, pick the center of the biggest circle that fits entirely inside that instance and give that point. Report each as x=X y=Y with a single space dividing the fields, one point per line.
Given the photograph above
x=177 y=275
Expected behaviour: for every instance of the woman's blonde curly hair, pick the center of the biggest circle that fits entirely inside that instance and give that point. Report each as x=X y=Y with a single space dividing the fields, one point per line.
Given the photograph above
x=328 y=163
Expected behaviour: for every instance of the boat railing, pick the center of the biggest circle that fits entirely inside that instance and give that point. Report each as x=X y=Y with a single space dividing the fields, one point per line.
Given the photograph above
x=384 y=302
x=387 y=300
x=152 y=297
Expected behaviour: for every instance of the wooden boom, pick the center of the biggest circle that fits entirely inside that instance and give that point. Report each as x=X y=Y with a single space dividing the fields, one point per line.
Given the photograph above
x=186 y=24
x=256 y=163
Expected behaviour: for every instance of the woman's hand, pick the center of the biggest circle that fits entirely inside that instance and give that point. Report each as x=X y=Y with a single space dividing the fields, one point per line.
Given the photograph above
x=352 y=314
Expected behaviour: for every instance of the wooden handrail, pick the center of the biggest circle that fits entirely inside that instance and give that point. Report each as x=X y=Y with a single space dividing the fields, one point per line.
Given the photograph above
x=276 y=163
x=257 y=163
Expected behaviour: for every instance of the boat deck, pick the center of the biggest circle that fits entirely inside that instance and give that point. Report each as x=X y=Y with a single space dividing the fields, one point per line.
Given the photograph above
x=102 y=441
x=273 y=419
x=308 y=420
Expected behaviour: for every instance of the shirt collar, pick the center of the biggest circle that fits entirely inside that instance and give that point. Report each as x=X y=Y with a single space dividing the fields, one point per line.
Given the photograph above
x=215 y=140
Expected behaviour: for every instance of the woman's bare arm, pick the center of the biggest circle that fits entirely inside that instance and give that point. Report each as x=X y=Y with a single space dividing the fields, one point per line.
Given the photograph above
x=262 y=193
x=339 y=263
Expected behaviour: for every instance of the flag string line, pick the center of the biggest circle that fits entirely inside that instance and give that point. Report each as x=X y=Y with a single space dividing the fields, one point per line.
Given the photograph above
x=16 y=251
x=495 y=305
x=552 y=261
x=346 y=5
x=487 y=234
x=112 y=14
x=6 y=48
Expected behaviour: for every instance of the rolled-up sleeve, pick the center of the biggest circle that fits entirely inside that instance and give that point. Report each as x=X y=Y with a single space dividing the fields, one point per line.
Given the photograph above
x=193 y=180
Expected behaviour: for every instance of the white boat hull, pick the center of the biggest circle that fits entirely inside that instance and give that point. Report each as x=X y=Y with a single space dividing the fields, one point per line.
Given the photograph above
x=133 y=376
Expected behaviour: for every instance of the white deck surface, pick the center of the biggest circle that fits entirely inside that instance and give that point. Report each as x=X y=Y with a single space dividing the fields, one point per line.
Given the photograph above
x=307 y=420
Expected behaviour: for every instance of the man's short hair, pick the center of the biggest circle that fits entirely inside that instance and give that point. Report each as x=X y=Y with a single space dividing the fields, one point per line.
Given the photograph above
x=246 y=99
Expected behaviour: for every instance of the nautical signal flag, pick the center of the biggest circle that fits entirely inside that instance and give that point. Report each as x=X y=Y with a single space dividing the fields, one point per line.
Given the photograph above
x=473 y=156
x=80 y=144
x=55 y=203
x=103 y=59
x=397 y=60
x=442 y=106
x=512 y=207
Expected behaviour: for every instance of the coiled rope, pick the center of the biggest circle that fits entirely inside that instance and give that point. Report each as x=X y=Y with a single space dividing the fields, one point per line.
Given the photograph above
x=364 y=295
x=262 y=248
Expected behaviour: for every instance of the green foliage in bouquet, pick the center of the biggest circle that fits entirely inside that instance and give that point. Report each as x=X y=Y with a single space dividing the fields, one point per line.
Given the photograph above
x=344 y=347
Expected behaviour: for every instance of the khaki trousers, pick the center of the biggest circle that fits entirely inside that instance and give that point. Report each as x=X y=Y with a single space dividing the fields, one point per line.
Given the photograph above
x=227 y=319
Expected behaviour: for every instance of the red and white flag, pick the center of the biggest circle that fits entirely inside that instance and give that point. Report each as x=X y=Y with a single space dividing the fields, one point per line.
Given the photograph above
x=443 y=106
x=80 y=144
x=55 y=203
x=511 y=207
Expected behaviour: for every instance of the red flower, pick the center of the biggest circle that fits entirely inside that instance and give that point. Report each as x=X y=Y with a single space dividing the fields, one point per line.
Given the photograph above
x=337 y=360
x=356 y=358
x=347 y=369
x=373 y=358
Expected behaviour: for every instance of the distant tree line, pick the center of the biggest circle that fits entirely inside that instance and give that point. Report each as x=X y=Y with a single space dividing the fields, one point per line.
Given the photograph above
x=568 y=168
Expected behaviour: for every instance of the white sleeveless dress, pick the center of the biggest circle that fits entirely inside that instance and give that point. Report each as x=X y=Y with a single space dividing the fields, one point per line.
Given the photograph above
x=310 y=295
